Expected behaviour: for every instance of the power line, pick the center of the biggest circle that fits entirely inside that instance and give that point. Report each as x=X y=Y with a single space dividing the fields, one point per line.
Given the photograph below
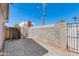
x=25 y=9
x=22 y=8
x=43 y=11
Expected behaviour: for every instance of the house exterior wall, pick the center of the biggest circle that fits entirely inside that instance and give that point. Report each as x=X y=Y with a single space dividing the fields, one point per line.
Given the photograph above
x=1 y=27
x=3 y=17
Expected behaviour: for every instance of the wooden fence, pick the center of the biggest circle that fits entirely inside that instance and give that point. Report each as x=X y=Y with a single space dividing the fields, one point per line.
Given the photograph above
x=12 y=33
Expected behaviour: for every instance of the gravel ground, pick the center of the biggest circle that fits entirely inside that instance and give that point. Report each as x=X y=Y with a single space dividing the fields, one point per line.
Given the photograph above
x=23 y=47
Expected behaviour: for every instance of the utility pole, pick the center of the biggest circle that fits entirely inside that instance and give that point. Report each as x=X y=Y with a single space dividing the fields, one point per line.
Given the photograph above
x=43 y=14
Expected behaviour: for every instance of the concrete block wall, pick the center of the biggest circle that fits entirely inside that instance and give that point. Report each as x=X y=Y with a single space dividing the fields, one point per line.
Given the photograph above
x=53 y=34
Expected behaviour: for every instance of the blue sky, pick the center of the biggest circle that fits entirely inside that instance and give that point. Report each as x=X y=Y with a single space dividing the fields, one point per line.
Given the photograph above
x=33 y=11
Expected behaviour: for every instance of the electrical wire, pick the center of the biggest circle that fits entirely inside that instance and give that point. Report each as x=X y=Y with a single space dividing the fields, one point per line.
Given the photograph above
x=23 y=8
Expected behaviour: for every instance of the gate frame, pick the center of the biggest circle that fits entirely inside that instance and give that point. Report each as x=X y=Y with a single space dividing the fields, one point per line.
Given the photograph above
x=68 y=38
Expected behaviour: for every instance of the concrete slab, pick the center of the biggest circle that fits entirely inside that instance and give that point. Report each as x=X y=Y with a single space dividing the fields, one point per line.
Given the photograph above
x=23 y=47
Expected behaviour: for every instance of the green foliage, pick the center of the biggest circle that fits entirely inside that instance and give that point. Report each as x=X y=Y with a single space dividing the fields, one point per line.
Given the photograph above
x=62 y=21
x=16 y=25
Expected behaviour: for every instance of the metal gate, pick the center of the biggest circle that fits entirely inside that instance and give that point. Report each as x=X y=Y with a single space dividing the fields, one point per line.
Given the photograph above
x=73 y=37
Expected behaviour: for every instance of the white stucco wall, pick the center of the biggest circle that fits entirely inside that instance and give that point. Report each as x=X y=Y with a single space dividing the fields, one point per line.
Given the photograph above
x=24 y=29
x=24 y=32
